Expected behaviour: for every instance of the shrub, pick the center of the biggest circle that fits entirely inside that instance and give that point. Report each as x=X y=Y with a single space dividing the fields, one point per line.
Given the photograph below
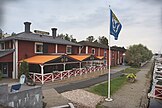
x=24 y=69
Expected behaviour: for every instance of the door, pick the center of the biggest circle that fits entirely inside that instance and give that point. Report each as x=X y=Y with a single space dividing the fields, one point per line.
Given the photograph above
x=5 y=70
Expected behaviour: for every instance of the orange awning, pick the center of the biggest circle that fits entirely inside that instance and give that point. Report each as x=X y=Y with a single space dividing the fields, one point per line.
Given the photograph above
x=41 y=59
x=100 y=57
x=79 y=57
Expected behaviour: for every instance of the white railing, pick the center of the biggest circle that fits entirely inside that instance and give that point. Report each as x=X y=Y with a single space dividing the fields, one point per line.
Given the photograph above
x=50 y=77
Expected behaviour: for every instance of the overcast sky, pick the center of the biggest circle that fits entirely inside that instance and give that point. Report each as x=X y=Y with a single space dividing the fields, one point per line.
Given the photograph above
x=141 y=19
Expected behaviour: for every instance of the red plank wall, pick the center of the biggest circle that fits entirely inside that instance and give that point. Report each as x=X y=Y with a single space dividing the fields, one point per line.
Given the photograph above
x=26 y=49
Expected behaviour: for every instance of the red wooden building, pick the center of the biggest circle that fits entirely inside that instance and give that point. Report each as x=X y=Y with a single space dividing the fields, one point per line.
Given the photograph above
x=27 y=45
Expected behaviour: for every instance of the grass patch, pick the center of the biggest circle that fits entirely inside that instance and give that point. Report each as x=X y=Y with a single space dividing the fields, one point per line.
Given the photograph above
x=131 y=70
x=101 y=89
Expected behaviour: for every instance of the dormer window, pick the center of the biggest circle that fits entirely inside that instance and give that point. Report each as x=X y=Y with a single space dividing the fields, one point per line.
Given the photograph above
x=38 y=47
x=93 y=51
x=2 y=46
x=68 y=49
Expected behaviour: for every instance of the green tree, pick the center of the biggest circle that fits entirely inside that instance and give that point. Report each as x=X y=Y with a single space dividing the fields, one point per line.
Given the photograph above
x=137 y=54
x=1 y=33
x=103 y=40
x=13 y=34
x=24 y=69
x=61 y=36
x=67 y=37
x=90 y=38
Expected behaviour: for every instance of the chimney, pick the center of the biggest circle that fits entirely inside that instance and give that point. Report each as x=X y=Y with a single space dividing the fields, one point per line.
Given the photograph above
x=27 y=27
x=54 y=30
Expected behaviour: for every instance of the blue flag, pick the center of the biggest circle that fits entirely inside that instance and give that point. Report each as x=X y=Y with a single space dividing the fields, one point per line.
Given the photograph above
x=115 y=25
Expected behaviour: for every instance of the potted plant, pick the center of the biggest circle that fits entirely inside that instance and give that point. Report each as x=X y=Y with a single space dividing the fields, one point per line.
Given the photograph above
x=131 y=77
x=24 y=69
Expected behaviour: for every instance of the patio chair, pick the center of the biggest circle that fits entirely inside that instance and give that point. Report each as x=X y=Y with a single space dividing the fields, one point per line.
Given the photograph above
x=15 y=87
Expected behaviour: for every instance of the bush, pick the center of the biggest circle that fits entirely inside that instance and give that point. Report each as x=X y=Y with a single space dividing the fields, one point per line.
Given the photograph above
x=24 y=69
x=137 y=54
x=131 y=70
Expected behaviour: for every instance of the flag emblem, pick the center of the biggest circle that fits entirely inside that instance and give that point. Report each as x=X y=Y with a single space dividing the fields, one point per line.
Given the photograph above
x=115 y=25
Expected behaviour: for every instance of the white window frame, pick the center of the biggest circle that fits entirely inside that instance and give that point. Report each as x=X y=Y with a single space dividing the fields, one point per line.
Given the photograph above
x=94 y=51
x=1 y=45
x=37 y=43
x=68 y=46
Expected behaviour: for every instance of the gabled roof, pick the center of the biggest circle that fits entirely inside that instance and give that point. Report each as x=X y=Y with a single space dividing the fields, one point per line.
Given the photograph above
x=48 y=59
x=116 y=48
x=84 y=57
x=93 y=44
x=6 y=52
x=79 y=57
x=100 y=57
x=39 y=38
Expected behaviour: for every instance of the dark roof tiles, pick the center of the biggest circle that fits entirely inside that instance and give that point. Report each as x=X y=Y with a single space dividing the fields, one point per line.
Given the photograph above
x=93 y=44
x=6 y=52
x=39 y=38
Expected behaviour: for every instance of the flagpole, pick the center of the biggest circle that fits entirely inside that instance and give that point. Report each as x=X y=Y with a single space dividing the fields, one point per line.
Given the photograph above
x=109 y=99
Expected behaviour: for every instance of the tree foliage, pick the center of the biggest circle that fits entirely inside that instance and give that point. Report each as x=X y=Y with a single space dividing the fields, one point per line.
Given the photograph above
x=24 y=69
x=67 y=37
x=137 y=54
x=13 y=34
x=103 y=40
x=90 y=39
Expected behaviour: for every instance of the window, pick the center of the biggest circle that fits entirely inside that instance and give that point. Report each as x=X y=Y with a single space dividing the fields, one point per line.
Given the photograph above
x=2 y=46
x=68 y=49
x=105 y=53
x=38 y=47
x=93 y=51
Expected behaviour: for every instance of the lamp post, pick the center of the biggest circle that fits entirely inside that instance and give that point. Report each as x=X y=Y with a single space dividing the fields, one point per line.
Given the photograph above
x=123 y=59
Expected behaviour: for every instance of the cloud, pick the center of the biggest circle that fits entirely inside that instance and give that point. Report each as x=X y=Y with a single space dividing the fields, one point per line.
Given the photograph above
x=1 y=11
x=2 y=3
x=92 y=20
x=157 y=2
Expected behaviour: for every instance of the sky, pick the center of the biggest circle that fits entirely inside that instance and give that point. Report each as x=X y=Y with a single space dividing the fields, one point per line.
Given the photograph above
x=141 y=19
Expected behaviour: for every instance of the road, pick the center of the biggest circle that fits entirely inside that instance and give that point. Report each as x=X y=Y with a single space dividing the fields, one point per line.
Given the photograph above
x=86 y=83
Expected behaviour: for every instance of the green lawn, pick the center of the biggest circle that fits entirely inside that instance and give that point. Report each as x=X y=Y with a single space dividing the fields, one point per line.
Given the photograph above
x=116 y=83
x=131 y=70
x=101 y=89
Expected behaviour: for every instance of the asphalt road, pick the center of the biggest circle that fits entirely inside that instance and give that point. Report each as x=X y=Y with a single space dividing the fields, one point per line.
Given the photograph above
x=155 y=103
x=86 y=83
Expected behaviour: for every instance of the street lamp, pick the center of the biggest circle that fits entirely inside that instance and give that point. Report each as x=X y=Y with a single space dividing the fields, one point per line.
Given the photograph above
x=123 y=58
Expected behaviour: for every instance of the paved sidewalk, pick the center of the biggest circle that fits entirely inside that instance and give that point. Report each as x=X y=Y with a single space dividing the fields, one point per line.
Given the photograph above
x=132 y=95
x=52 y=98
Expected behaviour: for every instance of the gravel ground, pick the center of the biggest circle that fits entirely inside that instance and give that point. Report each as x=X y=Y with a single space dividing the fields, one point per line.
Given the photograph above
x=132 y=95
x=52 y=98
x=82 y=98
